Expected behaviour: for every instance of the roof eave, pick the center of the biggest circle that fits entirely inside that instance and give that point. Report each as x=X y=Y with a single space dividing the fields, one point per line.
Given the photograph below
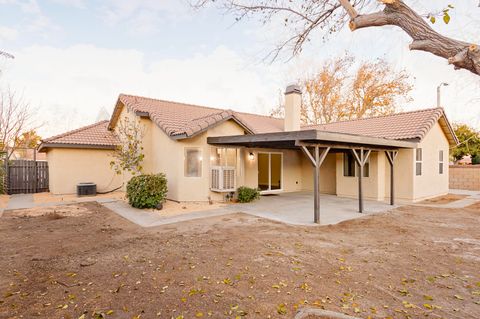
x=45 y=146
x=314 y=136
x=196 y=133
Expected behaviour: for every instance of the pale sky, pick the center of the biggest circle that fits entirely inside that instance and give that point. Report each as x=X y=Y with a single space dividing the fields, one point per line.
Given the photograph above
x=73 y=57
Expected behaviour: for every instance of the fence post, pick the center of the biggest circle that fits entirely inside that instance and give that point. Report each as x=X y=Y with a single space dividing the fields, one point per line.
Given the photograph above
x=35 y=171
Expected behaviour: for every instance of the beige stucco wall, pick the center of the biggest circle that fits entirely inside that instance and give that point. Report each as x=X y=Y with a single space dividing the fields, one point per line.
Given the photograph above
x=68 y=167
x=373 y=185
x=431 y=183
x=403 y=171
x=328 y=179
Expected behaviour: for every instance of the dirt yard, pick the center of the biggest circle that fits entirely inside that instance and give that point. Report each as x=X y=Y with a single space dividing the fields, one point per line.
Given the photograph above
x=83 y=261
x=445 y=199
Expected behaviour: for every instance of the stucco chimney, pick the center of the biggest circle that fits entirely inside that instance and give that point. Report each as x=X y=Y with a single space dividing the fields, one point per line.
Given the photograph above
x=293 y=102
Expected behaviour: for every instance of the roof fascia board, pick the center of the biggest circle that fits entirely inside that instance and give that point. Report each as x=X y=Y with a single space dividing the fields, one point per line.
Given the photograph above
x=76 y=146
x=310 y=136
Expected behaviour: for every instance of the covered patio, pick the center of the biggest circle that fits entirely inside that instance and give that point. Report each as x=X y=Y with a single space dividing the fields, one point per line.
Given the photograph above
x=315 y=145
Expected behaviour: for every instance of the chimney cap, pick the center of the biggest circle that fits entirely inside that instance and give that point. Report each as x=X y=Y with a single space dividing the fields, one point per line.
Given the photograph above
x=293 y=88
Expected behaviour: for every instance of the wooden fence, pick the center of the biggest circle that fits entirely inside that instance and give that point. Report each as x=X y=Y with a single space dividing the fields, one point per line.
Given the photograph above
x=27 y=176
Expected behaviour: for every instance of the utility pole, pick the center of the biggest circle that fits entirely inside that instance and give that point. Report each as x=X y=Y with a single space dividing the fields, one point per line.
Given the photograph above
x=438 y=93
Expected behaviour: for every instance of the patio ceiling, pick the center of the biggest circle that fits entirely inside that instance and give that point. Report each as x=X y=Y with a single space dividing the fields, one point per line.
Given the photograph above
x=293 y=139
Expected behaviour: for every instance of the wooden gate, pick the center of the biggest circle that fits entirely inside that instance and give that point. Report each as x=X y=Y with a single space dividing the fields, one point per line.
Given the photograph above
x=27 y=176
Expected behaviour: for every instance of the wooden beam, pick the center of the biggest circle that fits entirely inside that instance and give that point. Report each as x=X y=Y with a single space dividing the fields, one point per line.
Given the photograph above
x=391 y=156
x=361 y=158
x=345 y=146
x=316 y=160
x=309 y=155
x=316 y=188
x=313 y=136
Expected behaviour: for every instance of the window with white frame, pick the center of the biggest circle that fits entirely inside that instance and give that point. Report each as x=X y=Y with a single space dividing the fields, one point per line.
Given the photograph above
x=193 y=162
x=440 y=162
x=418 y=161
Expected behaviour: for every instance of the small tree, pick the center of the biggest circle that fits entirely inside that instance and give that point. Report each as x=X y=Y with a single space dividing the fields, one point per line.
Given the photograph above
x=469 y=142
x=128 y=155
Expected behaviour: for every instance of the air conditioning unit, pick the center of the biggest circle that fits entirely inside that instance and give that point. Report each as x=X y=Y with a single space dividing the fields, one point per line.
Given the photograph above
x=86 y=189
x=222 y=179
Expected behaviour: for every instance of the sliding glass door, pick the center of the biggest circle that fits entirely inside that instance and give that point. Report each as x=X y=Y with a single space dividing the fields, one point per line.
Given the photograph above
x=270 y=171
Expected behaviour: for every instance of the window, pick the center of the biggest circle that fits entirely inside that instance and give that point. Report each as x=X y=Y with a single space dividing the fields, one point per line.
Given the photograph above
x=366 y=168
x=418 y=162
x=193 y=162
x=348 y=165
x=223 y=156
x=351 y=168
x=440 y=162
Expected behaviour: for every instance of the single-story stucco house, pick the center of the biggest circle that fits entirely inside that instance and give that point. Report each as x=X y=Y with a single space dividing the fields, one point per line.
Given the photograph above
x=207 y=152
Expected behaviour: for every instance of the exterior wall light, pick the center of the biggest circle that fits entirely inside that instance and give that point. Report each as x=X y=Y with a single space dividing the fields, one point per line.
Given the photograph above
x=250 y=156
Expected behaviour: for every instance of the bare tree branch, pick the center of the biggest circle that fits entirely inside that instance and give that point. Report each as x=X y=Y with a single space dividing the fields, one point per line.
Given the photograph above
x=303 y=17
x=15 y=119
x=461 y=54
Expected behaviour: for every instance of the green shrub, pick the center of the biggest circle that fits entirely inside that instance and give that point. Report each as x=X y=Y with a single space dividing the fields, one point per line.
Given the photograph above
x=476 y=159
x=147 y=190
x=247 y=194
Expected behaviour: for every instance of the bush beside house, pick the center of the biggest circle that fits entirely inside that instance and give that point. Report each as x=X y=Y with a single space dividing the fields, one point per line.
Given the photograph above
x=147 y=190
x=247 y=194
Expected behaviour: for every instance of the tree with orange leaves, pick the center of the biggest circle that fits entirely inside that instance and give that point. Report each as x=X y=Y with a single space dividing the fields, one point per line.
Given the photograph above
x=338 y=91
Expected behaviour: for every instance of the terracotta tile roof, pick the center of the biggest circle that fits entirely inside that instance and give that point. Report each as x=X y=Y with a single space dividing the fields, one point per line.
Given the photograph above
x=181 y=120
x=94 y=135
x=186 y=120
x=398 y=126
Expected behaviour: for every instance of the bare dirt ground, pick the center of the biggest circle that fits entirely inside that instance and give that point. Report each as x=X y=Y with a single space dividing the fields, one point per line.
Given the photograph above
x=170 y=208
x=445 y=199
x=83 y=261
x=4 y=199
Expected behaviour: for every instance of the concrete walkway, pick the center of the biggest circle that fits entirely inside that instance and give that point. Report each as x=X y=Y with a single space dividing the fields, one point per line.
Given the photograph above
x=20 y=201
x=146 y=218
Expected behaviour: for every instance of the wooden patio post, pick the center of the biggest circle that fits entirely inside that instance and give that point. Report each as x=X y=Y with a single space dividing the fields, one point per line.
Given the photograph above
x=316 y=188
x=361 y=160
x=391 y=155
x=35 y=171
x=316 y=161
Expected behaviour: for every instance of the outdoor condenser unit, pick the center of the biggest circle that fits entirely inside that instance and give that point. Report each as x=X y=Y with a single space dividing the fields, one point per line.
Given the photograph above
x=86 y=189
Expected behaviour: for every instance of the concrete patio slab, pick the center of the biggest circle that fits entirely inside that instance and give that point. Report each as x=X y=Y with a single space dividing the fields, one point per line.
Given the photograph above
x=297 y=208
x=291 y=208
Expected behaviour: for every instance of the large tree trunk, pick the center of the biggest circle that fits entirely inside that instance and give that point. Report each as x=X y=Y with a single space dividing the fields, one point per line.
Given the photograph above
x=461 y=54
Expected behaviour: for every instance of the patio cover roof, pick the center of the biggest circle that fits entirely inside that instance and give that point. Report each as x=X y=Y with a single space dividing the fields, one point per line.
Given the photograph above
x=339 y=141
